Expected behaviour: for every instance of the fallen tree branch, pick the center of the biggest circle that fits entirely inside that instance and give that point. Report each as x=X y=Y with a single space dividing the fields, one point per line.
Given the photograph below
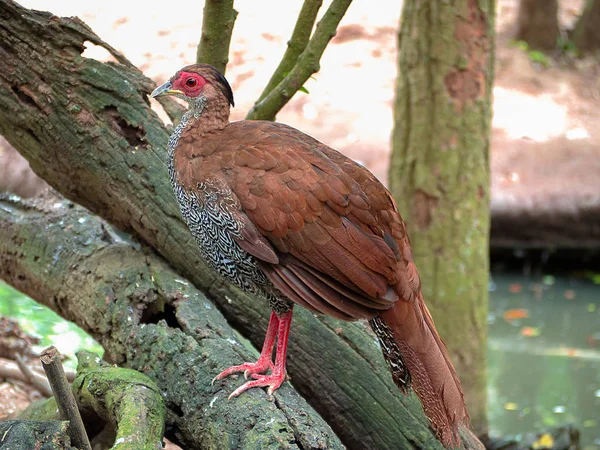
x=148 y=318
x=35 y=379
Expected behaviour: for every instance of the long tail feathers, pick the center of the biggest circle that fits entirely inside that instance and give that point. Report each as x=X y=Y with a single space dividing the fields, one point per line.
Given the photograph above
x=416 y=354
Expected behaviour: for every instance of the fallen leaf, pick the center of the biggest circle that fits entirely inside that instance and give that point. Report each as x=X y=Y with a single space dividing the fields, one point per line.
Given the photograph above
x=530 y=331
x=545 y=441
x=593 y=339
x=515 y=288
x=513 y=314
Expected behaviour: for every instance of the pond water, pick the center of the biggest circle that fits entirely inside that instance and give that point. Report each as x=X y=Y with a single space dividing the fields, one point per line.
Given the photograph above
x=543 y=361
x=544 y=355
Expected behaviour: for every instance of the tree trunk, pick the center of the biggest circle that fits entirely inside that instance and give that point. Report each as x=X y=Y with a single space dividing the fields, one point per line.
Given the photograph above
x=537 y=23
x=586 y=34
x=87 y=129
x=439 y=172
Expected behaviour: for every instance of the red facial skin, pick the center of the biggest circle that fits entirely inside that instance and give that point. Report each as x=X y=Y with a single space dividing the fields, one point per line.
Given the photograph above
x=189 y=83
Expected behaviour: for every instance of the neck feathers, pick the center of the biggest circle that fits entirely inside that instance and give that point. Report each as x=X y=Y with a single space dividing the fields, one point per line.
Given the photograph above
x=205 y=116
x=202 y=117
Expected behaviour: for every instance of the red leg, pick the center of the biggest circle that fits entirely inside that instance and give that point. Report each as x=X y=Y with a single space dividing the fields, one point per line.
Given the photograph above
x=264 y=360
x=277 y=377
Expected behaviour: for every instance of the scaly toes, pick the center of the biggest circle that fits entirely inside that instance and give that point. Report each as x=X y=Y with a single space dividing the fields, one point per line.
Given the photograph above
x=257 y=370
x=247 y=368
x=271 y=381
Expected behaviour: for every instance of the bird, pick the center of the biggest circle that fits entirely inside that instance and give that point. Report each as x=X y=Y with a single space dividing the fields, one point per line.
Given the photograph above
x=288 y=219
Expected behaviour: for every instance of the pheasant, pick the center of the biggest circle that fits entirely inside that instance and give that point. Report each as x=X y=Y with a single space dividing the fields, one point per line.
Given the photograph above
x=289 y=219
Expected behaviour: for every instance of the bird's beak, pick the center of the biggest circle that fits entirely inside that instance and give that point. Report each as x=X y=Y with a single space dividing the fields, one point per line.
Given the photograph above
x=165 y=89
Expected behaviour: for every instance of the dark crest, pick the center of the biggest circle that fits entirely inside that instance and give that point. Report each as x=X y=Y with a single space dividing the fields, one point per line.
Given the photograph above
x=212 y=74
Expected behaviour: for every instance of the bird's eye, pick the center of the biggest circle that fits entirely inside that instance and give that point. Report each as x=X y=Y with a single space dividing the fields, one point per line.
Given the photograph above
x=191 y=82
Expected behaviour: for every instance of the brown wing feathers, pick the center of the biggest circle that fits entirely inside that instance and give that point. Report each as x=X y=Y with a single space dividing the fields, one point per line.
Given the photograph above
x=329 y=237
x=302 y=204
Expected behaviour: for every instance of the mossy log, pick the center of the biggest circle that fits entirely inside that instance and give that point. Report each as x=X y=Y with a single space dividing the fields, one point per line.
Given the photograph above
x=149 y=319
x=126 y=399
x=86 y=127
x=47 y=435
x=124 y=402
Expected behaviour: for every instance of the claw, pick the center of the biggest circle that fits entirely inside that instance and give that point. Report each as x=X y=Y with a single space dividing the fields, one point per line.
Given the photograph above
x=273 y=382
x=278 y=325
x=247 y=369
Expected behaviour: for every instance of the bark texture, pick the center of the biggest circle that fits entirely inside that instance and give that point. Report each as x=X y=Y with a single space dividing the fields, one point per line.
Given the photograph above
x=149 y=319
x=537 y=23
x=586 y=34
x=439 y=172
x=86 y=128
x=47 y=435
x=217 y=27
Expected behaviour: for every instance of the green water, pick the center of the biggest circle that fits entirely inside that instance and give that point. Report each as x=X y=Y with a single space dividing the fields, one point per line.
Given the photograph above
x=45 y=324
x=544 y=369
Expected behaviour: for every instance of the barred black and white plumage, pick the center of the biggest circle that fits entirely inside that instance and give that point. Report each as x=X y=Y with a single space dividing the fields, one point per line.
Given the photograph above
x=209 y=212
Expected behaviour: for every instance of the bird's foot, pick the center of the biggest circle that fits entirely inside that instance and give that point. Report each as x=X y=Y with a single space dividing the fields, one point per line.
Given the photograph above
x=273 y=382
x=248 y=369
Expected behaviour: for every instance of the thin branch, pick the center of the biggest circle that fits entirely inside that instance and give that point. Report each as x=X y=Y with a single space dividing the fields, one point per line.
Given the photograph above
x=64 y=397
x=217 y=27
x=296 y=45
x=307 y=64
